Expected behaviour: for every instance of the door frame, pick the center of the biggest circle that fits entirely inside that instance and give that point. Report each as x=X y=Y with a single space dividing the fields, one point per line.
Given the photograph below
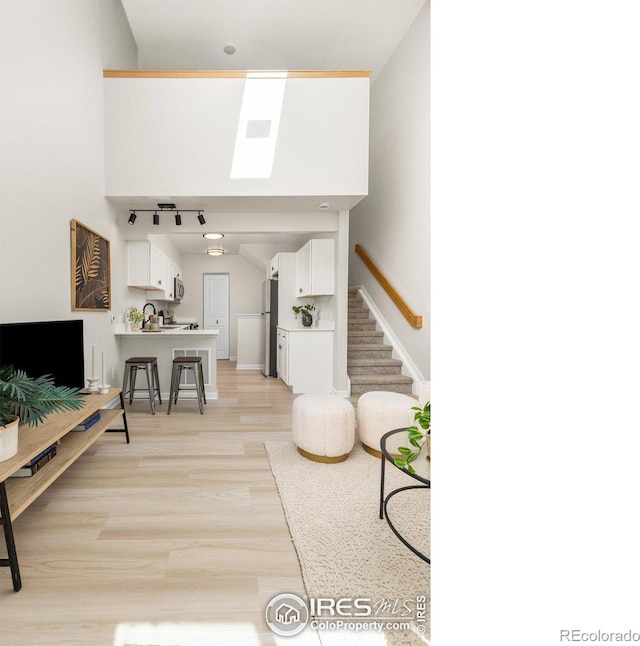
x=228 y=303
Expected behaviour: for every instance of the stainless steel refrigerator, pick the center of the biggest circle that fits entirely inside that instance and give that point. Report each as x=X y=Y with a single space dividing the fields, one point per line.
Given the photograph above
x=270 y=312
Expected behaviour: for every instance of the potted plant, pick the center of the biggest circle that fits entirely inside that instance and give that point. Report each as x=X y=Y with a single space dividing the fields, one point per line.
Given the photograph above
x=135 y=317
x=305 y=310
x=29 y=400
x=417 y=438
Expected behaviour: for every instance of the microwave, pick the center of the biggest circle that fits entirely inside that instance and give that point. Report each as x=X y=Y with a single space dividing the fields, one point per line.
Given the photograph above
x=178 y=290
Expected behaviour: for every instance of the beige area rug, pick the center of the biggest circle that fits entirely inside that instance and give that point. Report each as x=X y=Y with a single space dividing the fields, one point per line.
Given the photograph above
x=345 y=550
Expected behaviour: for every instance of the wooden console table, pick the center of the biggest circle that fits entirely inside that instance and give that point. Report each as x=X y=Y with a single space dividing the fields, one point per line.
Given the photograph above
x=16 y=494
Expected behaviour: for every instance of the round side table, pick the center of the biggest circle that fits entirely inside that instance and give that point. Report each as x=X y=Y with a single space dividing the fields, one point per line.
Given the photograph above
x=424 y=478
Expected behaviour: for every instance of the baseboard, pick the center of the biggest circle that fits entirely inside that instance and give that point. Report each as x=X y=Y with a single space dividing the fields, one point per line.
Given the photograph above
x=250 y=366
x=341 y=393
x=409 y=368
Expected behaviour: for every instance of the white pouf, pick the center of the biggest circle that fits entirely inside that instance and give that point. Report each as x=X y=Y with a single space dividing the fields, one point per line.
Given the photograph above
x=323 y=427
x=379 y=412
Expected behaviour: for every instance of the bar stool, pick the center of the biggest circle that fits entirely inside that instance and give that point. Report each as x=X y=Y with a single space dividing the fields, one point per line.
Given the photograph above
x=187 y=363
x=150 y=366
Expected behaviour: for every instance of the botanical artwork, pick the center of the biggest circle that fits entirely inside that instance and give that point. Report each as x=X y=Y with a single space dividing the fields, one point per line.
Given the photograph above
x=90 y=269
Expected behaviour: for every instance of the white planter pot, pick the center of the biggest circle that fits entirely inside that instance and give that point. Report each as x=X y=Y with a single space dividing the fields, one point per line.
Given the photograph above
x=9 y=440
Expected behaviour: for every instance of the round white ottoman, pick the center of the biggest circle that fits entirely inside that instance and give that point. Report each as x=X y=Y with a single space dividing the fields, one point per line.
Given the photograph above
x=380 y=411
x=323 y=427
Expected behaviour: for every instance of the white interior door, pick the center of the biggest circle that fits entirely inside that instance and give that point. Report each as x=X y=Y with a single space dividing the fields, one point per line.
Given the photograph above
x=216 y=309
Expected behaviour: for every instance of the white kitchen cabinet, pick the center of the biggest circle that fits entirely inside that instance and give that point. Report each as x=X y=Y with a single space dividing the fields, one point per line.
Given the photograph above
x=150 y=269
x=146 y=266
x=282 y=358
x=305 y=360
x=274 y=267
x=314 y=269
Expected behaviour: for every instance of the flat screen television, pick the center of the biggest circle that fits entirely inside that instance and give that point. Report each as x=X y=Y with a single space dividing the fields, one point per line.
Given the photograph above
x=46 y=347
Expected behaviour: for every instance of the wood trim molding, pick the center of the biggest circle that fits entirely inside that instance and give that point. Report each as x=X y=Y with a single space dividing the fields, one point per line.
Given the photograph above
x=233 y=74
x=414 y=319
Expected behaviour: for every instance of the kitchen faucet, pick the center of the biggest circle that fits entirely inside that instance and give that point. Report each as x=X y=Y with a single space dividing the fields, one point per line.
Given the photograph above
x=144 y=309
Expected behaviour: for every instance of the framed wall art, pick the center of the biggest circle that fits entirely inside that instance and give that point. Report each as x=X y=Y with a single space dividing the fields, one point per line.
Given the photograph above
x=90 y=269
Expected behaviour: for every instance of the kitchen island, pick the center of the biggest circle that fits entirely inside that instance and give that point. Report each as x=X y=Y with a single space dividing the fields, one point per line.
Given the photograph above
x=169 y=343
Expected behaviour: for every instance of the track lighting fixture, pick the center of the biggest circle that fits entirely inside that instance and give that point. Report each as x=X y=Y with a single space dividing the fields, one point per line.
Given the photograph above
x=166 y=208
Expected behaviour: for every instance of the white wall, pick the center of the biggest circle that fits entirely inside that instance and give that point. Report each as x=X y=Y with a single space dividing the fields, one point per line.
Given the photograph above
x=245 y=289
x=178 y=136
x=52 y=155
x=392 y=223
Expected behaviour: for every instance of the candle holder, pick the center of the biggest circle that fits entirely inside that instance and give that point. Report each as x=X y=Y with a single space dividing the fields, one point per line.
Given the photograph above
x=104 y=389
x=93 y=384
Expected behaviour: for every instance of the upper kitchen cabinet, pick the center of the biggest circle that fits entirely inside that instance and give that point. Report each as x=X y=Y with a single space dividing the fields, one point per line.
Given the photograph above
x=150 y=269
x=238 y=134
x=314 y=269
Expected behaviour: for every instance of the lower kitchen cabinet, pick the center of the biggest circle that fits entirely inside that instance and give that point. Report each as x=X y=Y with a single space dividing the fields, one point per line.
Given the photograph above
x=305 y=359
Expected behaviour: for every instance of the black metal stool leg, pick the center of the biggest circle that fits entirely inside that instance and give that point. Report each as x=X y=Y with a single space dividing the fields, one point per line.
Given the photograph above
x=157 y=377
x=172 y=387
x=134 y=373
x=196 y=376
x=204 y=395
x=126 y=378
x=152 y=394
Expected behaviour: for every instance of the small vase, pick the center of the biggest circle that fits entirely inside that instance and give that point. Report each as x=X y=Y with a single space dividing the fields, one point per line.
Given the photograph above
x=307 y=320
x=134 y=327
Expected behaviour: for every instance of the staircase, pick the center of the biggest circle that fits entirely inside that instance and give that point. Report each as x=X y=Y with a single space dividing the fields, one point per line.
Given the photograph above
x=369 y=362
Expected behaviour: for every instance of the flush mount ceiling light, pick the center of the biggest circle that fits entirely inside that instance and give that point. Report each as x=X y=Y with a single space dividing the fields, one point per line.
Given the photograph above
x=156 y=218
x=213 y=236
x=201 y=218
x=132 y=217
x=178 y=219
x=229 y=49
x=215 y=252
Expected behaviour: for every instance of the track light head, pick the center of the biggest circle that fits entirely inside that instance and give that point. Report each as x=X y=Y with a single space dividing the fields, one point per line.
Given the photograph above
x=178 y=219
x=132 y=217
x=201 y=218
x=156 y=218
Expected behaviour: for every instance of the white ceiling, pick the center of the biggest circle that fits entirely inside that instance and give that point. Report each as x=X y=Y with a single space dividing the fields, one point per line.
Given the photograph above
x=267 y=34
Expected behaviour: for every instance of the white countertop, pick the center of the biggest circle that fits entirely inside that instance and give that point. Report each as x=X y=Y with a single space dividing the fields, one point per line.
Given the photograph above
x=172 y=332
x=305 y=329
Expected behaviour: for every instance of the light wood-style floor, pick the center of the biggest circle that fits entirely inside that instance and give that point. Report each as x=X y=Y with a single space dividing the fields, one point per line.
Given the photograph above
x=184 y=525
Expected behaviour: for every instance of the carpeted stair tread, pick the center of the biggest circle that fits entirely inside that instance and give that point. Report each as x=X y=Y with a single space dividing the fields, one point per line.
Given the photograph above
x=358 y=312
x=355 y=324
x=373 y=366
x=372 y=363
x=360 y=389
x=381 y=379
x=373 y=370
x=369 y=347
x=363 y=337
